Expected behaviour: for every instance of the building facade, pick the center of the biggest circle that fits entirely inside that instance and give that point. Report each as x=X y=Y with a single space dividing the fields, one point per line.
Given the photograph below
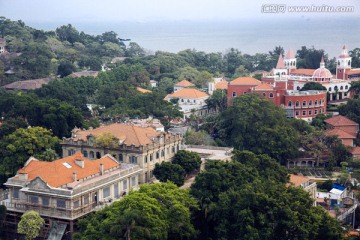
x=136 y=145
x=66 y=189
x=2 y=45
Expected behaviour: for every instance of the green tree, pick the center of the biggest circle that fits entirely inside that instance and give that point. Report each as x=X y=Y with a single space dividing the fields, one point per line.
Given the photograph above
x=106 y=140
x=310 y=57
x=355 y=89
x=218 y=100
x=198 y=138
x=313 y=86
x=257 y=125
x=167 y=171
x=17 y=147
x=30 y=224
x=189 y=161
x=351 y=110
x=65 y=68
x=67 y=33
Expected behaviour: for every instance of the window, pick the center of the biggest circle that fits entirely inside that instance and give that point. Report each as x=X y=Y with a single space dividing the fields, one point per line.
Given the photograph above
x=146 y=177
x=329 y=89
x=289 y=104
x=151 y=174
x=315 y=112
x=106 y=192
x=98 y=155
x=86 y=199
x=310 y=102
x=45 y=201
x=145 y=159
x=304 y=113
x=310 y=112
x=116 y=189
x=15 y=193
x=234 y=94
x=162 y=153
x=133 y=181
x=346 y=87
x=34 y=199
x=133 y=159
x=121 y=157
x=178 y=147
x=76 y=204
x=173 y=149
x=124 y=184
x=85 y=153
x=91 y=155
x=271 y=95
x=264 y=94
x=151 y=157
x=157 y=155
x=60 y=203
x=297 y=104
x=341 y=87
x=316 y=102
x=297 y=113
x=335 y=88
x=304 y=104
x=298 y=88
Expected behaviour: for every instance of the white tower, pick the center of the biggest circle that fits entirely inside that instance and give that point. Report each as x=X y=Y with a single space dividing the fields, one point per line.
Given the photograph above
x=290 y=60
x=343 y=64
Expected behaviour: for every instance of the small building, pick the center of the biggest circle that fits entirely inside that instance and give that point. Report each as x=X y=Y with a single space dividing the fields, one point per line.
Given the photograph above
x=84 y=74
x=191 y=101
x=304 y=182
x=343 y=123
x=183 y=84
x=154 y=83
x=27 y=85
x=2 y=45
x=346 y=138
x=66 y=189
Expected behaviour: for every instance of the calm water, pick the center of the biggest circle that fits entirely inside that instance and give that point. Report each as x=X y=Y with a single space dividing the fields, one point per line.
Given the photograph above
x=248 y=36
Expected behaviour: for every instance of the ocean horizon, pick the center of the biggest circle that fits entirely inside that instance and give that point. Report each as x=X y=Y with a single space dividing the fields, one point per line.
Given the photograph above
x=248 y=36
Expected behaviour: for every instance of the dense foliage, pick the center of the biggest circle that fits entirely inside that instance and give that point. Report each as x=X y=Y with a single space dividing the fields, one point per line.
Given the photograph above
x=30 y=225
x=189 y=161
x=156 y=211
x=167 y=171
x=248 y=199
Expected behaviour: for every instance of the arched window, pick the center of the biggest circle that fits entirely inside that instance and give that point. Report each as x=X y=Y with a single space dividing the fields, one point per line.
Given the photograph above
x=162 y=153
x=271 y=95
x=336 y=88
x=316 y=102
x=310 y=102
x=121 y=157
x=289 y=104
x=304 y=103
x=85 y=153
x=264 y=94
x=346 y=87
x=157 y=155
x=341 y=87
x=98 y=155
x=92 y=156
x=329 y=89
x=297 y=104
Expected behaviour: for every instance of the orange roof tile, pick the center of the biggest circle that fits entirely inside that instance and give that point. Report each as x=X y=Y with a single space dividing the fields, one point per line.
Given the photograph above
x=184 y=83
x=142 y=90
x=280 y=64
x=353 y=71
x=355 y=151
x=223 y=84
x=297 y=180
x=340 y=121
x=264 y=86
x=128 y=133
x=303 y=71
x=56 y=174
x=187 y=93
x=339 y=133
x=245 y=81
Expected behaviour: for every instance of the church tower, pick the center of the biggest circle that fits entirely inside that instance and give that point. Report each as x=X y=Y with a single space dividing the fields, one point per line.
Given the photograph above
x=343 y=64
x=290 y=60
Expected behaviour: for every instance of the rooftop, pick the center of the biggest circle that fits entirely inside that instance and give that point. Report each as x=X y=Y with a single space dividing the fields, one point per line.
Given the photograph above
x=280 y=64
x=339 y=133
x=223 y=84
x=184 y=83
x=245 y=81
x=84 y=74
x=60 y=172
x=187 y=93
x=303 y=71
x=143 y=90
x=126 y=133
x=297 y=180
x=264 y=86
x=340 y=121
x=28 y=84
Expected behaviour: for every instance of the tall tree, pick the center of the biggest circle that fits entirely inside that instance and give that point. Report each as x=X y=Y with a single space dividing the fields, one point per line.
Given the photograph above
x=167 y=171
x=189 y=161
x=30 y=224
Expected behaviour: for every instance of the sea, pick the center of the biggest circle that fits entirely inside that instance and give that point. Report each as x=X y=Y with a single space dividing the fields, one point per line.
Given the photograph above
x=248 y=36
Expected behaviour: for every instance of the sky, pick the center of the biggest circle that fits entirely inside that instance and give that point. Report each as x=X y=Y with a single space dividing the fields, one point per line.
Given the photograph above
x=157 y=10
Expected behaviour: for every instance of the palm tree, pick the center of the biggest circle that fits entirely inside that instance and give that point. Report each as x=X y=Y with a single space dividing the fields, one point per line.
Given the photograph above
x=131 y=224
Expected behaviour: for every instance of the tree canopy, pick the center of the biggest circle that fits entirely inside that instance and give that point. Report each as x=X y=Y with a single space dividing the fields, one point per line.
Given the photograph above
x=167 y=171
x=30 y=224
x=189 y=161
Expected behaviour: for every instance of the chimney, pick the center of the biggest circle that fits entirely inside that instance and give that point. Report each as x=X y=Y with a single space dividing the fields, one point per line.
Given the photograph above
x=80 y=163
x=74 y=176
x=101 y=169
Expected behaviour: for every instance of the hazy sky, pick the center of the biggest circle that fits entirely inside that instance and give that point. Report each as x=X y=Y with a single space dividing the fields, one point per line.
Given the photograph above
x=145 y=10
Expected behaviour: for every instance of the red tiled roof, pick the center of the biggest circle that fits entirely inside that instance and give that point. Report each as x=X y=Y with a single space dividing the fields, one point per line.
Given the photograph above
x=28 y=84
x=56 y=174
x=184 y=83
x=297 y=180
x=223 y=84
x=143 y=90
x=280 y=64
x=303 y=71
x=128 y=133
x=340 y=121
x=353 y=71
x=339 y=133
x=355 y=151
x=187 y=93
x=264 y=86
x=85 y=74
x=245 y=81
